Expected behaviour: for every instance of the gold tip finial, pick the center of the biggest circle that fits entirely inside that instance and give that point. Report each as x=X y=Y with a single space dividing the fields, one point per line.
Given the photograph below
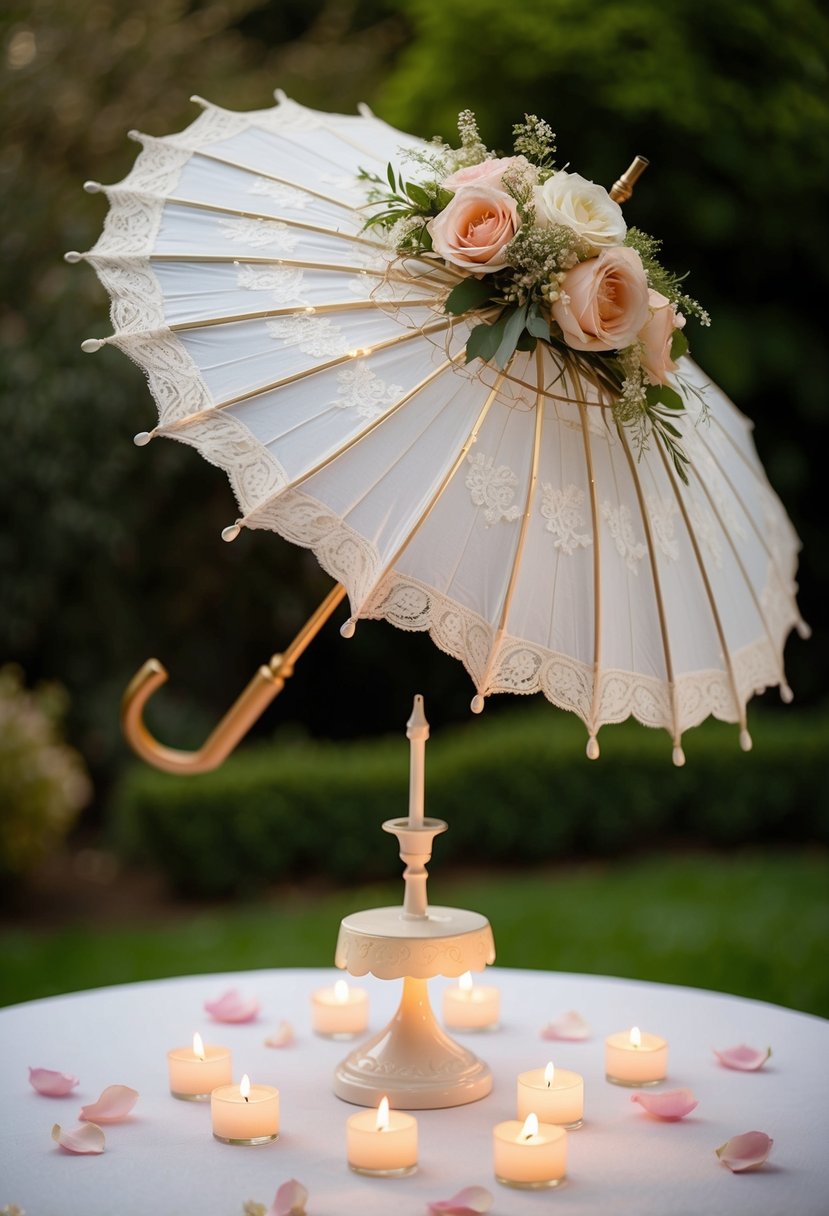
x=621 y=190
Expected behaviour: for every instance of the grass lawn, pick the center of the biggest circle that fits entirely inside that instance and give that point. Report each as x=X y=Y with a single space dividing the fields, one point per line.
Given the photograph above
x=747 y=922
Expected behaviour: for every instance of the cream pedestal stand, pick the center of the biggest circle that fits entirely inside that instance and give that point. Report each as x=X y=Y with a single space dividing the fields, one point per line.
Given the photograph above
x=413 y=1061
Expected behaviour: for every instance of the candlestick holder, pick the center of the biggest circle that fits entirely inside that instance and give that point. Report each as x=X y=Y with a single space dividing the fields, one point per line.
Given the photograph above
x=413 y=1061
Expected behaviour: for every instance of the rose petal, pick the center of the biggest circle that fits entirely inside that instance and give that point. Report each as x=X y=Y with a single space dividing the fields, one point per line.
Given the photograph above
x=52 y=1084
x=231 y=1007
x=290 y=1200
x=86 y=1139
x=745 y=1152
x=746 y=1059
x=114 y=1104
x=570 y=1026
x=471 y=1201
x=282 y=1036
x=671 y=1104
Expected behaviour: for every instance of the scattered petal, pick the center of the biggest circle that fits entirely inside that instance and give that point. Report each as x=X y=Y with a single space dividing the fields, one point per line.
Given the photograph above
x=571 y=1026
x=283 y=1036
x=85 y=1139
x=114 y=1104
x=231 y=1007
x=671 y=1104
x=745 y=1152
x=290 y=1200
x=746 y=1059
x=471 y=1201
x=52 y=1084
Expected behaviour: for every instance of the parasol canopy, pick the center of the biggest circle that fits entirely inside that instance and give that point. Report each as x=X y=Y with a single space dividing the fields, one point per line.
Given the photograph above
x=499 y=508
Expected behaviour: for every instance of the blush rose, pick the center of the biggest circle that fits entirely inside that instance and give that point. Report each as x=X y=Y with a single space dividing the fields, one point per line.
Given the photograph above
x=473 y=230
x=487 y=173
x=655 y=337
x=604 y=304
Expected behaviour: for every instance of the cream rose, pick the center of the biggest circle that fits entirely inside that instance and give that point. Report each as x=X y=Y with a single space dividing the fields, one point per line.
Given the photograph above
x=604 y=303
x=656 y=335
x=588 y=209
x=472 y=230
x=488 y=173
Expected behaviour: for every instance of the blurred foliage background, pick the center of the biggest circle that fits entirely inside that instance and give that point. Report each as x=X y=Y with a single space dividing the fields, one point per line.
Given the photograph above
x=110 y=554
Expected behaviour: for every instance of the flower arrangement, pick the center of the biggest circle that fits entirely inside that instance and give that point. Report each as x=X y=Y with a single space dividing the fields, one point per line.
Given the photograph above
x=545 y=255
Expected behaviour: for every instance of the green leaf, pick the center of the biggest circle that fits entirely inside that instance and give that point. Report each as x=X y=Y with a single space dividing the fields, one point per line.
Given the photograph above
x=663 y=394
x=516 y=319
x=484 y=340
x=390 y=176
x=418 y=195
x=536 y=324
x=679 y=344
x=468 y=294
x=526 y=342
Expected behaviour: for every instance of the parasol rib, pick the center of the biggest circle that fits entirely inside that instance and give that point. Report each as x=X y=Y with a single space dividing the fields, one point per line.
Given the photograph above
x=292 y=310
x=785 y=691
x=592 y=742
x=437 y=327
x=395 y=276
x=679 y=755
x=745 y=738
x=355 y=439
x=477 y=703
x=763 y=481
x=424 y=515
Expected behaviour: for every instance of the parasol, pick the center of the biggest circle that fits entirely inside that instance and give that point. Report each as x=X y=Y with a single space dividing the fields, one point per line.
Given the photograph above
x=497 y=507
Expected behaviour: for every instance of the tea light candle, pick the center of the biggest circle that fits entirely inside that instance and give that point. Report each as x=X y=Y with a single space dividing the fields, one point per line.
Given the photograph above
x=339 y=1012
x=470 y=1007
x=529 y=1155
x=245 y=1113
x=635 y=1058
x=195 y=1071
x=556 y=1095
x=382 y=1143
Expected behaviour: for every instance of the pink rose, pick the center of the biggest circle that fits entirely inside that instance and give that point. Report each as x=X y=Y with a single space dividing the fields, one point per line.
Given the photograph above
x=472 y=230
x=606 y=301
x=487 y=173
x=656 y=337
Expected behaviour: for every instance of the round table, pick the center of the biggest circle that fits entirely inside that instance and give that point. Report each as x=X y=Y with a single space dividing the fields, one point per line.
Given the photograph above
x=164 y=1160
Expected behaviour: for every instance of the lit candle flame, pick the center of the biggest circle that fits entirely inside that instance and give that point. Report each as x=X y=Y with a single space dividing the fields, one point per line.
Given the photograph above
x=530 y=1127
x=383 y=1115
x=465 y=982
x=635 y=1037
x=244 y=1087
x=198 y=1046
x=549 y=1074
x=341 y=992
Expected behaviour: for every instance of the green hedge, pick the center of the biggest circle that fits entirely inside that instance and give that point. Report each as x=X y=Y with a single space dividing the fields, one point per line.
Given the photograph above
x=515 y=788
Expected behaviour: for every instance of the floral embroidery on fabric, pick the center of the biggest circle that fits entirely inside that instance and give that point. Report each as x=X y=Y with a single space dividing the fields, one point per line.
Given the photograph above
x=706 y=530
x=283 y=283
x=662 y=512
x=260 y=234
x=313 y=335
x=363 y=391
x=286 y=196
x=562 y=511
x=620 y=526
x=493 y=488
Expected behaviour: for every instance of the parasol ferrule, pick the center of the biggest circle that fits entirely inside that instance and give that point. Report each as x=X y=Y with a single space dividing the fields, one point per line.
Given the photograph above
x=622 y=189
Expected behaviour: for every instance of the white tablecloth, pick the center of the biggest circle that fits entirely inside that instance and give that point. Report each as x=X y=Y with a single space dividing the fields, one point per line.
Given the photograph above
x=163 y=1161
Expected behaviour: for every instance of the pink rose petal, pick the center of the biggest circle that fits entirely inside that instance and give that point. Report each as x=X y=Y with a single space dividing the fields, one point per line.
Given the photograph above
x=746 y=1059
x=571 y=1026
x=671 y=1104
x=52 y=1084
x=290 y=1200
x=232 y=1007
x=86 y=1139
x=471 y=1201
x=745 y=1152
x=283 y=1036
x=114 y=1104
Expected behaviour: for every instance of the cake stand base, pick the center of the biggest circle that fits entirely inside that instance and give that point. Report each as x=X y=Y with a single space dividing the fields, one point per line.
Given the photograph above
x=412 y=1062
